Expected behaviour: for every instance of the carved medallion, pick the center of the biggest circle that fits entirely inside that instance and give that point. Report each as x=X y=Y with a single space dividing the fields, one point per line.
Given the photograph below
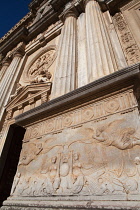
x=41 y=64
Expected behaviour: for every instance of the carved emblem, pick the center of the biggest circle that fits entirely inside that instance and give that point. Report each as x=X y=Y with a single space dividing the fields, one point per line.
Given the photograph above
x=38 y=71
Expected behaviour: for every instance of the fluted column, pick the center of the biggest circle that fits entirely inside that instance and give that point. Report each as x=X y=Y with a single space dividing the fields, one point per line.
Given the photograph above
x=100 y=57
x=65 y=73
x=5 y=65
x=7 y=83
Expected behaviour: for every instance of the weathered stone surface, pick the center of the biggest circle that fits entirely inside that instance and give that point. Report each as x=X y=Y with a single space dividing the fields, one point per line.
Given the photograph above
x=82 y=140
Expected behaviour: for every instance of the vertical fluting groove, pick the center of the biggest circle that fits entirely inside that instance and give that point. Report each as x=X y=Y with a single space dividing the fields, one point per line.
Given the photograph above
x=91 y=61
x=76 y=56
x=5 y=90
x=64 y=80
x=94 y=35
x=115 y=43
x=100 y=43
x=81 y=51
x=107 y=44
x=103 y=52
x=2 y=72
x=8 y=77
x=101 y=59
x=68 y=63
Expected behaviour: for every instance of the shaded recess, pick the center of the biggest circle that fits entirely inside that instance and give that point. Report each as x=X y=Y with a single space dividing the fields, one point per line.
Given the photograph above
x=9 y=160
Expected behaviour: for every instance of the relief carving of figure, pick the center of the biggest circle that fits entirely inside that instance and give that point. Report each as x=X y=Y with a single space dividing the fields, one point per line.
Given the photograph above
x=54 y=174
x=124 y=140
x=29 y=152
x=65 y=174
x=42 y=77
x=52 y=181
x=78 y=177
x=38 y=71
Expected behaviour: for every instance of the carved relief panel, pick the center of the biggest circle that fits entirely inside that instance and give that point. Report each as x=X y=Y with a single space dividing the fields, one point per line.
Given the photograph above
x=38 y=70
x=131 y=12
x=91 y=157
x=129 y=45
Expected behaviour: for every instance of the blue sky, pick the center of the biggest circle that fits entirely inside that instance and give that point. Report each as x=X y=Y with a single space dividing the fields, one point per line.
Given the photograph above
x=11 y=11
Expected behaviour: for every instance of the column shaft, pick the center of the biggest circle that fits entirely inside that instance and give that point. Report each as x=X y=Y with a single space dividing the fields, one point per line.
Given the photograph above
x=82 y=76
x=99 y=50
x=7 y=82
x=65 y=73
x=3 y=69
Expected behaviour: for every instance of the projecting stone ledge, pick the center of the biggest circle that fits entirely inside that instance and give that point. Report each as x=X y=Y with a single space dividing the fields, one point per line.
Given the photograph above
x=81 y=150
x=75 y=204
x=105 y=85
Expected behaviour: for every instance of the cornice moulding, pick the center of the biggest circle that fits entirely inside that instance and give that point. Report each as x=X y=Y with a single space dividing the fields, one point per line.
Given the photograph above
x=19 y=36
x=111 y=5
x=16 y=27
x=115 y=81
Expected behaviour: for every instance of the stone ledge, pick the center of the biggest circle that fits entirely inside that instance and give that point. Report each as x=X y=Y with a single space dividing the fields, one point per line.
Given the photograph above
x=96 y=205
x=116 y=81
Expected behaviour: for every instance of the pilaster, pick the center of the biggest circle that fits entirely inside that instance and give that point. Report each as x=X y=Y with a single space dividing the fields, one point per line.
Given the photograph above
x=100 y=56
x=7 y=83
x=5 y=65
x=65 y=73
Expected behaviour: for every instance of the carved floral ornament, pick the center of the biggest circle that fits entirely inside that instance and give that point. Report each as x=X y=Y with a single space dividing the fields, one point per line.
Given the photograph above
x=39 y=65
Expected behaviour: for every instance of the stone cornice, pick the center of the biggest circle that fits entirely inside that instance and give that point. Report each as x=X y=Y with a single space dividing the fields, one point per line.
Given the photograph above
x=116 y=81
x=57 y=4
x=21 y=32
x=111 y=5
x=15 y=27
x=34 y=4
x=49 y=18
x=17 y=37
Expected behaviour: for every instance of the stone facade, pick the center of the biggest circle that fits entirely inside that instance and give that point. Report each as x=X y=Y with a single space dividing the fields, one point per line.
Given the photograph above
x=69 y=109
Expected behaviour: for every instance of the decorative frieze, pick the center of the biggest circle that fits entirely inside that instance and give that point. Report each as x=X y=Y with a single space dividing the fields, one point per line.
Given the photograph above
x=96 y=111
x=129 y=45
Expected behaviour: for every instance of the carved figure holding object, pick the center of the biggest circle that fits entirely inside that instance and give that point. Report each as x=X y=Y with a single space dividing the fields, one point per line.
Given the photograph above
x=42 y=77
